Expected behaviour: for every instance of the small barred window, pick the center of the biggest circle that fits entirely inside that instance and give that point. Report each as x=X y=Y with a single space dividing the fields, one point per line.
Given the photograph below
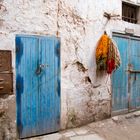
x=129 y=12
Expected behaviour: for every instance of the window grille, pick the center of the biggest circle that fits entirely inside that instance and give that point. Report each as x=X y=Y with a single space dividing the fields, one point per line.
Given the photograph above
x=129 y=13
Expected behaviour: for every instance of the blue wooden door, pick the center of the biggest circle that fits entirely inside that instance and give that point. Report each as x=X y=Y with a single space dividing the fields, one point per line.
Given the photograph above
x=126 y=80
x=134 y=66
x=37 y=85
x=120 y=77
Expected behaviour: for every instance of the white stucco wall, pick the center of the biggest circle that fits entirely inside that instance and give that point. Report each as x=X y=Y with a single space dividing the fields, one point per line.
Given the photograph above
x=79 y=24
x=79 y=35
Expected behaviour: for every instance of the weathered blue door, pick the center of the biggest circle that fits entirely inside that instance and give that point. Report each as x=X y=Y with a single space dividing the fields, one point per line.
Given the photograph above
x=126 y=80
x=120 y=77
x=37 y=85
x=134 y=66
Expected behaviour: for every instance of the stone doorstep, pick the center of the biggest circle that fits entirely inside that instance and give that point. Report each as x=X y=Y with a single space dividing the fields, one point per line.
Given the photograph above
x=87 y=137
x=131 y=115
x=55 y=136
x=69 y=133
x=81 y=131
x=137 y=114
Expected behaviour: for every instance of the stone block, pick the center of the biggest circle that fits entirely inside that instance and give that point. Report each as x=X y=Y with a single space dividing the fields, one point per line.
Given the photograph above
x=87 y=137
x=137 y=114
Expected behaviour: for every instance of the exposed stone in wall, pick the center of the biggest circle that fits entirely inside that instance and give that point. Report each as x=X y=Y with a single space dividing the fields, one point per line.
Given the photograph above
x=7 y=118
x=80 y=67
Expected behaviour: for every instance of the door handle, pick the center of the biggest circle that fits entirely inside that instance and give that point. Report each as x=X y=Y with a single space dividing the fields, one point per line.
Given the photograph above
x=40 y=68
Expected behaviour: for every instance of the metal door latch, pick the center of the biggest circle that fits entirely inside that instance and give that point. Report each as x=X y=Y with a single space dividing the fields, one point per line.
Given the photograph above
x=40 y=68
x=133 y=71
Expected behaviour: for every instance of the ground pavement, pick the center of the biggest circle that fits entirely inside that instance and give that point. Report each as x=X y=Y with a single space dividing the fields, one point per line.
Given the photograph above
x=123 y=127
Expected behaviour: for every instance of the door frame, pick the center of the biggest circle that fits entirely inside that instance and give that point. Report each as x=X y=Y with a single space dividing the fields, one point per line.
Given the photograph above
x=125 y=111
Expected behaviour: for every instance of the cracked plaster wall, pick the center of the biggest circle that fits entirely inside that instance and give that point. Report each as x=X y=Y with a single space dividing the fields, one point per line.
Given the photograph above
x=85 y=97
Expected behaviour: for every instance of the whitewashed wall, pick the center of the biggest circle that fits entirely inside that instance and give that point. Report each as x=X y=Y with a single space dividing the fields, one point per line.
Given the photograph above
x=79 y=24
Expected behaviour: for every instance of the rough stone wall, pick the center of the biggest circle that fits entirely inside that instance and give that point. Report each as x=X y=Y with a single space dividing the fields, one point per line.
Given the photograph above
x=85 y=95
x=7 y=118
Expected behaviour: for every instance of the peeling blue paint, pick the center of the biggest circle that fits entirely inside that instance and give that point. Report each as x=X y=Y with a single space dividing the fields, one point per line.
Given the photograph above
x=125 y=84
x=38 y=101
